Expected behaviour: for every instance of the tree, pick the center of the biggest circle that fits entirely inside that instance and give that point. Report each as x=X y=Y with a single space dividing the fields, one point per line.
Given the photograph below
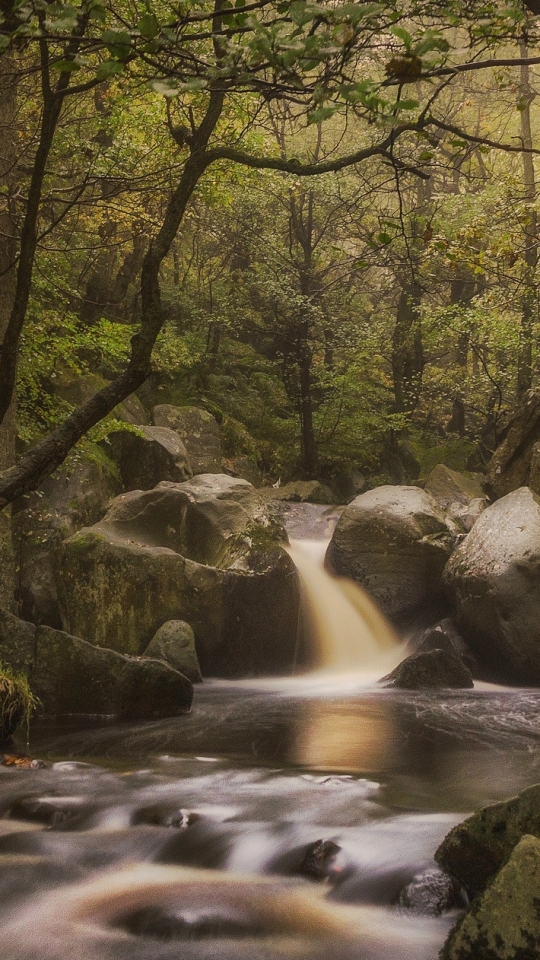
x=207 y=56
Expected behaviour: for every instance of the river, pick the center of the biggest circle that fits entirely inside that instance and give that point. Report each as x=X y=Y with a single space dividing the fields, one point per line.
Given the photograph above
x=196 y=837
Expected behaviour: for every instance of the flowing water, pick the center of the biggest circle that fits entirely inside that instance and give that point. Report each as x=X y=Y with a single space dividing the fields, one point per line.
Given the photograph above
x=279 y=819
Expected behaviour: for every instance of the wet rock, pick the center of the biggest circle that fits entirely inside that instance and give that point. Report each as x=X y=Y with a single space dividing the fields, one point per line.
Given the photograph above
x=165 y=815
x=174 y=643
x=55 y=812
x=444 y=635
x=160 y=923
x=430 y=670
x=206 y=552
x=510 y=465
x=22 y=875
x=71 y=676
x=148 y=455
x=431 y=893
x=319 y=859
x=76 y=494
x=476 y=849
x=198 y=430
x=394 y=541
x=504 y=922
x=494 y=580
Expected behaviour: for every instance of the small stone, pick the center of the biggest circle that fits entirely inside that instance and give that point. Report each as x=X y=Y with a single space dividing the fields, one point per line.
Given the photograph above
x=430 y=670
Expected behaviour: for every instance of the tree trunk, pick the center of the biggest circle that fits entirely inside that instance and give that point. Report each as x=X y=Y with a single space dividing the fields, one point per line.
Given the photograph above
x=407 y=351
x=8 y=252
x=530 y=256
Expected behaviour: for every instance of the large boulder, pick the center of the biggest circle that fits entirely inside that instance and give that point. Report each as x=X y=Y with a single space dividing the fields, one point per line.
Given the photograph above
x=504 y=923
x=430 y=670
x=476 y=849
x=510 y=465
x=444 y=635
x=71 y=676
x=448 y=486
x=203 y=551
x=174 y=643
x=198 y=430
x=146 y=455
x=494 y=580
x=394 y=541
x=75 y=495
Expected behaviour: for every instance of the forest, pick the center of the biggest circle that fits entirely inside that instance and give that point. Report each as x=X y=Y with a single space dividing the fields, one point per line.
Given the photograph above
x=269 y=479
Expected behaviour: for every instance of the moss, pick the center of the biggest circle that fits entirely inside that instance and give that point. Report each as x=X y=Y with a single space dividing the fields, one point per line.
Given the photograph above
x=81 y=542
x=17 y=702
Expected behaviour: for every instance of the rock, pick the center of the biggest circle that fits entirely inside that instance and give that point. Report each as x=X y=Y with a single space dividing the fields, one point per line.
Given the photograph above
x=245 y=468
x=149 y=455
x=429 y=671
x=76 y=494
x=17 y=643
x=71 y=676
x=174 y=643
x=198 y=430
x=466 y=516
x=444 y=635
x=534 y=475
x=394 y=541
x=319 y=859
x=76 y=389
x=204 y=551
x=447 y=486
x=300 y=491
x=510 y=465
x=494 y=580
x=431 y=893
x=476 y=849
x=504 y=923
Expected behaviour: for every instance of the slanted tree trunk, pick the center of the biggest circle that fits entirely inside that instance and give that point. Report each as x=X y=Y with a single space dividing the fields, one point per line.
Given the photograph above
x=461 y=293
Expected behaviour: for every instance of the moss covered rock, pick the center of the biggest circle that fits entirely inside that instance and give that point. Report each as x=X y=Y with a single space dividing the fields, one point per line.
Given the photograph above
x=76 y=494
x=475 y=850
x=174 y=643
x=147 y=455
x=204 y=551
x=504 y=923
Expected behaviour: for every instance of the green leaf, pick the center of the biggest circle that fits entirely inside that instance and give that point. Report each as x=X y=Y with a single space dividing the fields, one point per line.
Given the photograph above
x=402 y=35
x=109 y=69
x=66 y=66
x=164 y=87
x=322 y=113
x=148 y=26
x=406 y=104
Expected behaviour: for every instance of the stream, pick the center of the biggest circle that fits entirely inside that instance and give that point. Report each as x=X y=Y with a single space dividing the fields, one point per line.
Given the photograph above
x=280 y=819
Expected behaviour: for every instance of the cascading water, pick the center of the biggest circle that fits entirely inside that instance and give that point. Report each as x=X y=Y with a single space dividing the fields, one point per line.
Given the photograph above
x=344 y=627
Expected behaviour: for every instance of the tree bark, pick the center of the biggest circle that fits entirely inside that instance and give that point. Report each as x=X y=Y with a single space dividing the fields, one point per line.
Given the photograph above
x=407 y=351
x=529 y=308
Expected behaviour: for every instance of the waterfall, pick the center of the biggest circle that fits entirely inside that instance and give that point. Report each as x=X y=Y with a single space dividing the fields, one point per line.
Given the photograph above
x=344 y=627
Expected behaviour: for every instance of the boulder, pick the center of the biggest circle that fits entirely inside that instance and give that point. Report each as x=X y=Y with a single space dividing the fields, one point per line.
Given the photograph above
x=394 y=541
x=444 y=635
x=245 y=468
x=76 y=389
x=510 y=465
x=301 y=491
x=198 y=430
x=534 y=475
x=147 y=455
x=76 y=494
x=429 y=671
x=504 y=923
x=447 y=486
x=494 y=580
x=204 y=551
x=71 y=676
x=476 y=849
x=174 y=643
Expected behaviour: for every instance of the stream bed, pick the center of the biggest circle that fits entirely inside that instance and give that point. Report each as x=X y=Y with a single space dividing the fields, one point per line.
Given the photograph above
x=199 y=837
